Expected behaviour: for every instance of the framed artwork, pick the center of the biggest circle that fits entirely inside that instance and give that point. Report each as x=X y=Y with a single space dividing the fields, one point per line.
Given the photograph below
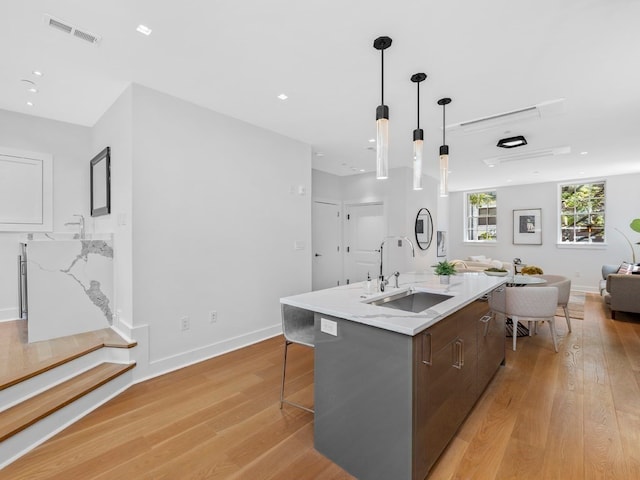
x=441 y=240
x=527 y=227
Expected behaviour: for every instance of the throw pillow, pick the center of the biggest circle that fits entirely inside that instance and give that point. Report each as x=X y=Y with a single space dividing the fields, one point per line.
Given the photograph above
x=477 y=258
x=625 y=268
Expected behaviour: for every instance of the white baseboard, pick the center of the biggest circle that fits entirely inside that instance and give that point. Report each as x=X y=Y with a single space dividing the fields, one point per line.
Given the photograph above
x=184 y=359
x=8 y=314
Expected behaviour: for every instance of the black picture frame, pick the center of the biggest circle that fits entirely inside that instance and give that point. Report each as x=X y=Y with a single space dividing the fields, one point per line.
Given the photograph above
x=100 y=183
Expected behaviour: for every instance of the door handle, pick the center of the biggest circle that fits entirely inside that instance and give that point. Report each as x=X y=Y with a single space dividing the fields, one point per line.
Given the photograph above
x=430 y=361
x=318 y=255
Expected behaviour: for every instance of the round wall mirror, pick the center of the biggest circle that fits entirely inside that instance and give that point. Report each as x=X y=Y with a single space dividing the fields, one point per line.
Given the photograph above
x=424 y=229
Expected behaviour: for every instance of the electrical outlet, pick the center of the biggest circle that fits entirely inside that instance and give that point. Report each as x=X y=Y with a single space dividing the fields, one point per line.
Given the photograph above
x=577 y=274
x=185 y=324
x=213 y=316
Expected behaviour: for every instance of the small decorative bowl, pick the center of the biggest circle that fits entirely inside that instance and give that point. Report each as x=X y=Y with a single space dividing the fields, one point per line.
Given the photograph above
x=496 y=274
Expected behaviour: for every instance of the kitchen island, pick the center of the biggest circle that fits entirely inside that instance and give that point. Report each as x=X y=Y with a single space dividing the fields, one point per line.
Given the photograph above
x=393 y=386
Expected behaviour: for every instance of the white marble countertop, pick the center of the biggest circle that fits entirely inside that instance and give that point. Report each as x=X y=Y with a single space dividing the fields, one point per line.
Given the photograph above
x=350 y=301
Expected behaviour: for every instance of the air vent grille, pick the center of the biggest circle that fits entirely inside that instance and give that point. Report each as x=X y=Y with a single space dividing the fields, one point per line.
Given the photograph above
x=70 y=29
x=515 y=157
x=499 y=120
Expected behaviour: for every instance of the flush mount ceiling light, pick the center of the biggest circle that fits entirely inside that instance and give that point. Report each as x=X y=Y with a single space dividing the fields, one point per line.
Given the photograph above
x=143 y=29
x=282 y=96
x=382 y=118
x=512 y=142
x=37 y=73
x=418 y=137
x=444 y=153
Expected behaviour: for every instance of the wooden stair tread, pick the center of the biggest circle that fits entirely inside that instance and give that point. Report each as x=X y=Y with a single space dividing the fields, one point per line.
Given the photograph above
x=25 y=414
x=26 y=360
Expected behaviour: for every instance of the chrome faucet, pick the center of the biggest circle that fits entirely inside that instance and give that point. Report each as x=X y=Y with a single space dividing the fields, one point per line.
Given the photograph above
x=80 y=223
x=381 y=280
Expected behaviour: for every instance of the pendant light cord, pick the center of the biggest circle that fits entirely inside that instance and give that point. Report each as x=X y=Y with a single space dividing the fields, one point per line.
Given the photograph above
x=418 y=105
x=382 y=76
x=443 y=124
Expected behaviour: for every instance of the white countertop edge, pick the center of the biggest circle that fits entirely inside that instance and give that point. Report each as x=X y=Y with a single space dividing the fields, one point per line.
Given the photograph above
x=349 y=302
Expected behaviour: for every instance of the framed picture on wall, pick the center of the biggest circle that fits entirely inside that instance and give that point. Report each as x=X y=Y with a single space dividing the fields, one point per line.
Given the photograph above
x=441 y=240
x=527 y=227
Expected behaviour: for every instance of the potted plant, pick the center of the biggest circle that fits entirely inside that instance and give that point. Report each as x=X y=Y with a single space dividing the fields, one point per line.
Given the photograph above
x=444 y=269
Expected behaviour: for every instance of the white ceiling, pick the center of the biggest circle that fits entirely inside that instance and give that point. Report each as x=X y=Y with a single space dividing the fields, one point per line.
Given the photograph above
x=235 y=57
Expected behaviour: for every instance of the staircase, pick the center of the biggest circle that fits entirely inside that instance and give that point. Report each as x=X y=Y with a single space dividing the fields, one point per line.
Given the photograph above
x=47 y=386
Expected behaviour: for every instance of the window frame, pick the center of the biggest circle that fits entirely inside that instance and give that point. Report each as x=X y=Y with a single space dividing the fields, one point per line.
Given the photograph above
x=559 y=212
x=467 y=216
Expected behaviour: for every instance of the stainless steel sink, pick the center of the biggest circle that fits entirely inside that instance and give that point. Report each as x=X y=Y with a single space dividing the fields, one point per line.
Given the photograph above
x=411 y=301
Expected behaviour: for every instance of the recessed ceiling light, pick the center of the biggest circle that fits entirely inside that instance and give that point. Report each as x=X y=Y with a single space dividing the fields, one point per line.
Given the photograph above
x=372 y=140
x=37 y=73
x=512 y=142
x=30 y=104
x=362 y=169
x=584 y=153
x=581 y=173
x=282 y=96
x=33 y=90
x=143 y=29
x=509 y=180
x=491 y=165
x=319 y=154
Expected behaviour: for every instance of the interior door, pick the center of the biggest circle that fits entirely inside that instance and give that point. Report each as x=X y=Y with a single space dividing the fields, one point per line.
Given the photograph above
x=364 y=231
x=327 y=257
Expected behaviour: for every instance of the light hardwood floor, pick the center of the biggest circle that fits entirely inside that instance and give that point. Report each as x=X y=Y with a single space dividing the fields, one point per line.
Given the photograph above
x=570 y=415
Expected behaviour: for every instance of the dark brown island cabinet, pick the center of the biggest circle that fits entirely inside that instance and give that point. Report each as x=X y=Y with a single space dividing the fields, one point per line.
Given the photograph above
x=387 y=404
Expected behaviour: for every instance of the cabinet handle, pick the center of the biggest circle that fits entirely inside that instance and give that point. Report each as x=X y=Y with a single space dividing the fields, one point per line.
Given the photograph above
x=427 y=362
x=458 y=354
x=486 y=319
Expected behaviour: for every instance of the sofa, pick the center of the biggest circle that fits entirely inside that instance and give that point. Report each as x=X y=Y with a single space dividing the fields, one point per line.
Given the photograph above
x=479 y=263
x=622 y=291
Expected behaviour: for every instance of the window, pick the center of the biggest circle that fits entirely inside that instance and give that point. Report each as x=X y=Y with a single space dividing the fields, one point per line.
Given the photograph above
x=481 y=208
x=582 y=213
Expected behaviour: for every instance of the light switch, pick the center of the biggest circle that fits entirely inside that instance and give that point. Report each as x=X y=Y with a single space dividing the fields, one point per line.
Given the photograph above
x=329 y=326
x=298 y=245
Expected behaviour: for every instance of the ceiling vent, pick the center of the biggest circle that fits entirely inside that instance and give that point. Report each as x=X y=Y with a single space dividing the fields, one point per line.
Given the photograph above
x=499 y=120
x=69 y=29
x=515 y=157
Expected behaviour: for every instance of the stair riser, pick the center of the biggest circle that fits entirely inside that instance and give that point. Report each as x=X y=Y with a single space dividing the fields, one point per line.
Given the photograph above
x=24 y=441
x=29 y=388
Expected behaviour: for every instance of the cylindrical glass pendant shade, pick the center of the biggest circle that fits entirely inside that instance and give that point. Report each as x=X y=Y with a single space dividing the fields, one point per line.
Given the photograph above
x=418 y=146
x=382 y=142
x=444 y=171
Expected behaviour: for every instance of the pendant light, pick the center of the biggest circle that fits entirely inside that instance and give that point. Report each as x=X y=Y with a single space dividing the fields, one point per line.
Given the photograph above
x=444 y=154
x=382 y=118
x=418 y=138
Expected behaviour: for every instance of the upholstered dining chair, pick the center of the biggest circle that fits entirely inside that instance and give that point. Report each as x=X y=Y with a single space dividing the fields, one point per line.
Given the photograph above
x=563 y=284
x=297 y=327
x=532 y=305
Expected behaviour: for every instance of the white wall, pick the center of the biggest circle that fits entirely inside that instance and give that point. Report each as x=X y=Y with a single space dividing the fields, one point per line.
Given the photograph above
x=69 y=145
x=580 y=264
x=214 y=226
x=115 y=130
x=401 y=205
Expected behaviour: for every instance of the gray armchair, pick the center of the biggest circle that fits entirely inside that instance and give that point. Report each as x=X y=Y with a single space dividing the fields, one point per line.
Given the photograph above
x=623 y=293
